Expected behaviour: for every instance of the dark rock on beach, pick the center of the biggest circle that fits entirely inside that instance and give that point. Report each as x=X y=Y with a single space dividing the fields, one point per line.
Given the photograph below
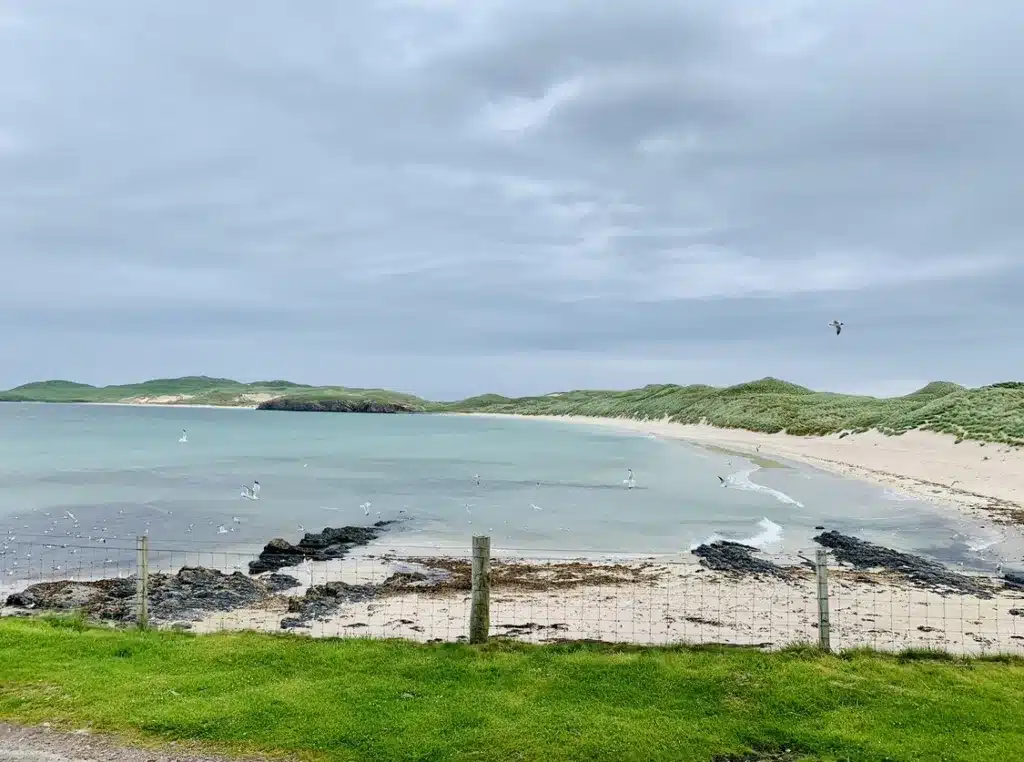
x=921 y=572
x=316 y=546
x=195 y=590
x=736 y=558
x=322 y=601
x=276 y=554
x=1014 y=580
x=187 y=595
x=338 y=405
x=277 y=583
x=112 y=599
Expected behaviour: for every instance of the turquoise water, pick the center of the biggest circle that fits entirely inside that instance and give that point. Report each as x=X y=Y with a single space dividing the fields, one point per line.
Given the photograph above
x=121 y=472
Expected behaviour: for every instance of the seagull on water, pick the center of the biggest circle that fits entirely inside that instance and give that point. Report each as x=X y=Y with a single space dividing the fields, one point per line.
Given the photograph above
x=222 y=529
x=838 y=326
x=184 y=437
x=629 y=481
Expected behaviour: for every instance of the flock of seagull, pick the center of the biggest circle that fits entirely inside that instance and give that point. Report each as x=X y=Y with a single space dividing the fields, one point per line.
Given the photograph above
x=252 y=492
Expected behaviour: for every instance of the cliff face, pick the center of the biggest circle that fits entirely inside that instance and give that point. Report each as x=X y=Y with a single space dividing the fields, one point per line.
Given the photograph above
x=337 y=405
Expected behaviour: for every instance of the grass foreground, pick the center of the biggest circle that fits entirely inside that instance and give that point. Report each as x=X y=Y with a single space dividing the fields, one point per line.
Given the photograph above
x=993 y=413
x=393 y=700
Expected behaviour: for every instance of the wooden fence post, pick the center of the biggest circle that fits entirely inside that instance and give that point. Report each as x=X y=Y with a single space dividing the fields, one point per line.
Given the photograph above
x=142 y=589
x=480 y=607
x=824 y=625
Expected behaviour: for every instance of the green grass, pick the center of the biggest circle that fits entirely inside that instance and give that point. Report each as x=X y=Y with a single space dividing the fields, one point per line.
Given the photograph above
x=992 y=413
x=376 y=700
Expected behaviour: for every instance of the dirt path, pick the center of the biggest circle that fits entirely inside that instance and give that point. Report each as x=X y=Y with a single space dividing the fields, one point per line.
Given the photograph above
x=41 y=744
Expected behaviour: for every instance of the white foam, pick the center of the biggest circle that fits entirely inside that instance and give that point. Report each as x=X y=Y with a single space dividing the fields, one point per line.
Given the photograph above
x=977 y=545
x=741 y=480
x=898 y=497
x=770 y=534
x=715 y=537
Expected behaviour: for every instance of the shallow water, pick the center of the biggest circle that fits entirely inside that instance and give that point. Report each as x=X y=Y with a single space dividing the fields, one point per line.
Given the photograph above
x=121 y=472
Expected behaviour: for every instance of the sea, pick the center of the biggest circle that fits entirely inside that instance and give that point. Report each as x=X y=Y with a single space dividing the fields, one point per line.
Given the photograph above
x=84 y=481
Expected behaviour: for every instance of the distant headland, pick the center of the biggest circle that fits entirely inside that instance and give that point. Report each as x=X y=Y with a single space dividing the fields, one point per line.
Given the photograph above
x=988 y=413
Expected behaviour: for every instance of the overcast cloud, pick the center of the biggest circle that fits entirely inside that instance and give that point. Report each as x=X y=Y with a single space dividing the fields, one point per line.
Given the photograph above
x=512 y=195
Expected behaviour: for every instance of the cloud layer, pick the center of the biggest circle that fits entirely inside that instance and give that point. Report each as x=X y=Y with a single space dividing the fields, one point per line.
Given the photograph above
x=451 y=198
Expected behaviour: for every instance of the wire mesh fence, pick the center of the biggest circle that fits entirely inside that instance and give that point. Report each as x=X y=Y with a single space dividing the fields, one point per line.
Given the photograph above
x=426 y=594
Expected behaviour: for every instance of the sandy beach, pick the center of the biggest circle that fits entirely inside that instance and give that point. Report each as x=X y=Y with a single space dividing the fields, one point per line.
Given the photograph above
x=650 y=603
x=653 y=602
x=971 y=475
x=243 y=402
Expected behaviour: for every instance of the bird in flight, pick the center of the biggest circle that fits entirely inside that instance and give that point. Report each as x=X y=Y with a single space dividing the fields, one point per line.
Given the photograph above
x=837 y=325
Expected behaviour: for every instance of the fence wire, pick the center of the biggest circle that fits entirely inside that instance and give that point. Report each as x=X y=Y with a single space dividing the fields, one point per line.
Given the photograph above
x=424 y=594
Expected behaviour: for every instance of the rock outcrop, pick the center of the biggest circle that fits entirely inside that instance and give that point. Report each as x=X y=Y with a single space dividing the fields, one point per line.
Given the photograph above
x=336 y=405
x=736 y=558
x=192 y=593
x=316 y=546
x=920 y=572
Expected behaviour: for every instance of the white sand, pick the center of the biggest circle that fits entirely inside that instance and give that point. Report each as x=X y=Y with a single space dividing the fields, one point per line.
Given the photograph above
x=242 y=401
x=923 y=464
x=685 y=603
x=666 y=602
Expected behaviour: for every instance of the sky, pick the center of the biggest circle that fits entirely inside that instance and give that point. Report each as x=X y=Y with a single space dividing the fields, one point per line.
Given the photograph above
x=514 y=196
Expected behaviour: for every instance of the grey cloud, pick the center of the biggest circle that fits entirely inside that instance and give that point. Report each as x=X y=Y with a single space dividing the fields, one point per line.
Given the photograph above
x=507 y=194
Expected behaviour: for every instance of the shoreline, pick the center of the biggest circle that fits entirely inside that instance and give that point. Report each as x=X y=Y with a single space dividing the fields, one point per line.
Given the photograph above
x=972 y=476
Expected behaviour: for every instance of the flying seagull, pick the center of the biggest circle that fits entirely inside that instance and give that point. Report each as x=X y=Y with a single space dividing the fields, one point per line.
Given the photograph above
x=184 y=436
x=837 y=325
x=722 y=481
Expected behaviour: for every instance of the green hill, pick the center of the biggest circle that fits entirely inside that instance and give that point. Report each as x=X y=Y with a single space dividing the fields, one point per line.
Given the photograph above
x=990 y=413
x=196 y=390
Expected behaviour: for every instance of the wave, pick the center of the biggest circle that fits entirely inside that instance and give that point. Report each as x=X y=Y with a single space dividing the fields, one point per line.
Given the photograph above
x=977 y=544
x=741 y=480
x=898 y=497
x=770 y=534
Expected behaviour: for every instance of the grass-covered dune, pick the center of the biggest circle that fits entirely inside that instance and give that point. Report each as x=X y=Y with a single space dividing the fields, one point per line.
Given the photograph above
x=197 y=390
x=989 y=413
x=359 y=699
